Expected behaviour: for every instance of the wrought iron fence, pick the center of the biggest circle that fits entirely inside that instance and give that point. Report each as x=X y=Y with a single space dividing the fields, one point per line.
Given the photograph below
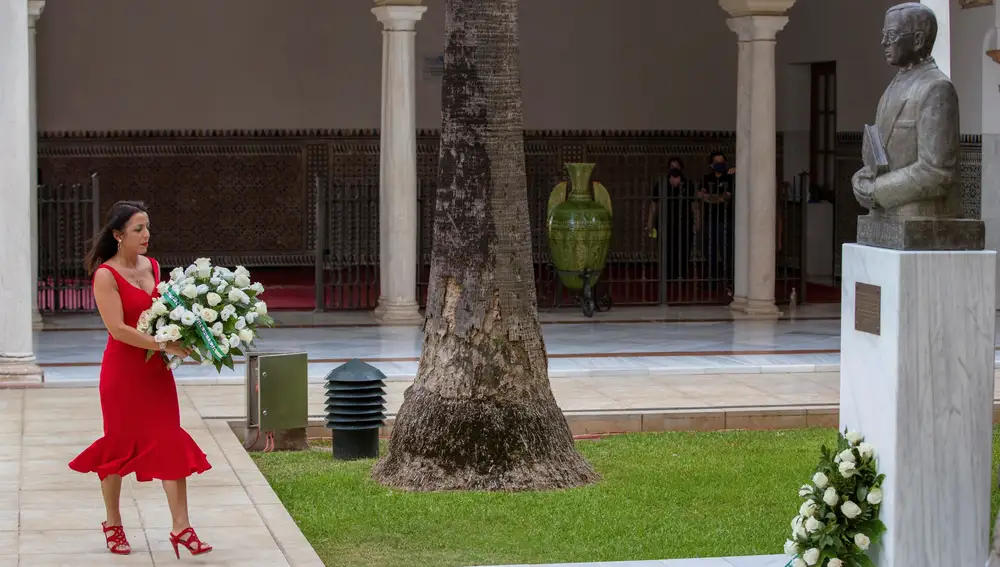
x=68 y=217
x=347 y=243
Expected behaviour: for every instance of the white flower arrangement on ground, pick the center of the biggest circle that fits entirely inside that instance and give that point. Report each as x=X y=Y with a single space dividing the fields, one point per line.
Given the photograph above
x=838 y=519
x=214 y=311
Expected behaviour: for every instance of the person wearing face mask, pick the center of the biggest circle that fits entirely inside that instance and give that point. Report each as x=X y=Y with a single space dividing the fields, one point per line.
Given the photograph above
x=679 y=209
x=716 y=196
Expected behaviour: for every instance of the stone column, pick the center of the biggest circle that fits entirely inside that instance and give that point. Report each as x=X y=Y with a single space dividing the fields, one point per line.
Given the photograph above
x=398 y=184
x=35 y=8
x=756 y=23
x=17 y=359
x=991 y=133
x=942 y=45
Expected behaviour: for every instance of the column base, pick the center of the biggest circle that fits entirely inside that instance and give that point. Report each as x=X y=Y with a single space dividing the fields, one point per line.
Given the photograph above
x=758 y=308
x=738 y=303
x=37 y=323
x=20 y=372
x=403 y=314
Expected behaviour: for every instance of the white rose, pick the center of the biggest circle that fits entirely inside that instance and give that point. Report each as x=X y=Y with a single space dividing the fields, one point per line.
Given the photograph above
x=834 y=563
x=161 y=322
x=820 y=480
x=805 y=490
x=203 y=289
x=222 y=287
x=866 y=450
x=217 y=329
x=224 y=347
x=235 y=295
x=813 y=525
x=246 y=335
x=207 y=362
x=847 y=469
x=242 y=281
x=191 y=270
x=847 y=456
x=875 y=496
x=143 y=324
x=234 y=340
x=190 y=291
x=791 y=548
x=850 y=510
x=214 y=280
x=188 y=318
x=260 y=308
x=159 y=308
x=197 y=307
x=241 y=271
x=251 y=317
x=853 y=437
x=807 y=509
x=209 y=315
x=204 y=273
x=213 y=299
x=162 y=288
x=241 y=324
x=257 y=288
x=203 y=263
x=177 y=313
x=177 y=274
x=798 y=562
x=811 y=556
x=187 y=281
x=173 y=332
x=862 y=541
x=830 y=497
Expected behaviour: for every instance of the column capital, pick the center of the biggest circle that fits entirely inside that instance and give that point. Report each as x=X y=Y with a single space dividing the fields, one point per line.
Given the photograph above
x=398 y=16
x=35 y=9
x=739 y=8
x=757 y=28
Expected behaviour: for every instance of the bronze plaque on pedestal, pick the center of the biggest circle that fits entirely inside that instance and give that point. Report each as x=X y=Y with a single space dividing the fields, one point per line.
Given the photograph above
x=868 y=308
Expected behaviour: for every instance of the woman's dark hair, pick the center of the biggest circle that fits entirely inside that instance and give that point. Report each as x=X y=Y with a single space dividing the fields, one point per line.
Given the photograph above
x=712 y=157
x=105 y=245
x=679 y=161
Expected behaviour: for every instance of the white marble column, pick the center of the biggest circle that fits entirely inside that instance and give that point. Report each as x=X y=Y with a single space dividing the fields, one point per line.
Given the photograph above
x=17 y=359
x=991 y=133
x=756 y=23
x=35 y=8
x=942 y=45
x=398 y=184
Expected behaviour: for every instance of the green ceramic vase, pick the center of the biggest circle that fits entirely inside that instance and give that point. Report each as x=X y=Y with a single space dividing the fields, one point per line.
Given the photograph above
x=579 y=225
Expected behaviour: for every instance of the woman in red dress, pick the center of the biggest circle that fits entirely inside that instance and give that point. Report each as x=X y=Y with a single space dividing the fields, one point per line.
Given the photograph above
x=142 y=429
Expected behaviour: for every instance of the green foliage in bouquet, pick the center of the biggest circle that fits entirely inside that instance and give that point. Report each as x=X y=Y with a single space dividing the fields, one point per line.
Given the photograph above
x=838 y=520
x=213 y=311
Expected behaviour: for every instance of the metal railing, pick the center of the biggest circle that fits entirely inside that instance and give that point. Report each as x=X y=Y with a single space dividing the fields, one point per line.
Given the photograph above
x=68 y=218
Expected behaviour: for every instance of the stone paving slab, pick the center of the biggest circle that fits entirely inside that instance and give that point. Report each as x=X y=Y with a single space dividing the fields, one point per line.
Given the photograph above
x=51 y=516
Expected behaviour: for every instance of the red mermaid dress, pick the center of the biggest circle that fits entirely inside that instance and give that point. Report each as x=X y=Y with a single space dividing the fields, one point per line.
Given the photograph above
x=142 y=420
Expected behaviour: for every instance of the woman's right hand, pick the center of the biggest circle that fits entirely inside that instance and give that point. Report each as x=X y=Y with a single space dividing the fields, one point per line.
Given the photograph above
x=176 y=348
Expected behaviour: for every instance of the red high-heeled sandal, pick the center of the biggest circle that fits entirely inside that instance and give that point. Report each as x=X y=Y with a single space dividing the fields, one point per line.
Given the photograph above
x=116 y=540
x=192 y=543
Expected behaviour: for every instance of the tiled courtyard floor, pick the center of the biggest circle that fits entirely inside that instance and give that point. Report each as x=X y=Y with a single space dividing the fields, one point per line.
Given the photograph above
x=51 y=516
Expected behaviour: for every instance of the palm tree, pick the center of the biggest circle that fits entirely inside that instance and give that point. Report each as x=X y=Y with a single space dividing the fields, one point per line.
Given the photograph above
x=480 y=414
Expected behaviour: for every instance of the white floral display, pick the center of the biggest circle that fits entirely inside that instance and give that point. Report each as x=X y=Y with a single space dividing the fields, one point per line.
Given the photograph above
x=214 y=311
x=838 y=519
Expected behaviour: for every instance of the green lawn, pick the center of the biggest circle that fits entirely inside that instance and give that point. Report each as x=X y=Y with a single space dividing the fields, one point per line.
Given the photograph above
x=662 y=496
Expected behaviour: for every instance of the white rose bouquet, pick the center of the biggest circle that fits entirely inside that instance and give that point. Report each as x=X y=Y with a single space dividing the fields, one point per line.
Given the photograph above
x=213 y=311
x=838 y=518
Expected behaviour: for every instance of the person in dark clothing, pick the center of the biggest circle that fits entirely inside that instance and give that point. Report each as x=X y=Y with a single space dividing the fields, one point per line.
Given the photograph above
x=674 y=196
x=717 y=222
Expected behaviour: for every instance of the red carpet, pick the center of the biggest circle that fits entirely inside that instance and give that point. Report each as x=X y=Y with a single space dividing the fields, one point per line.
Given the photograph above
x=292 y=289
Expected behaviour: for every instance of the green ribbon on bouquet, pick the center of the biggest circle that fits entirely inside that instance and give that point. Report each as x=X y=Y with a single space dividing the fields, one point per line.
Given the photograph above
x=206 y=335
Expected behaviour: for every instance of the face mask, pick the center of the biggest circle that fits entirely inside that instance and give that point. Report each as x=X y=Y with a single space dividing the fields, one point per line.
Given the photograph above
x=720 y=167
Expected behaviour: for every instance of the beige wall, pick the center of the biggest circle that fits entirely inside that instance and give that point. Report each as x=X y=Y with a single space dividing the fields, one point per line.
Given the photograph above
x=586 y=64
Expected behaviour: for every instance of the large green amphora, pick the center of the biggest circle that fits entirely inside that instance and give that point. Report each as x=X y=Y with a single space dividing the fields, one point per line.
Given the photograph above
x=579 y=226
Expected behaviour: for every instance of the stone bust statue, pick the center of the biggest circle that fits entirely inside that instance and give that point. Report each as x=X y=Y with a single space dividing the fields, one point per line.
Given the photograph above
x=917 y=123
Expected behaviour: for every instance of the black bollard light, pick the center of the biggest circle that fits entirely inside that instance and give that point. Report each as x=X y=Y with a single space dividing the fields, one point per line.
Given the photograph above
x=355 y=409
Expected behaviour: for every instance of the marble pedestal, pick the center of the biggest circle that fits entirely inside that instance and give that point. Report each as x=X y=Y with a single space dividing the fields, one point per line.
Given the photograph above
x=921 y=391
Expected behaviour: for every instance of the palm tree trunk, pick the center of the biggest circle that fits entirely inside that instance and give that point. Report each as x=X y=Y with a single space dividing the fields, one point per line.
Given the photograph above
x=480 y=414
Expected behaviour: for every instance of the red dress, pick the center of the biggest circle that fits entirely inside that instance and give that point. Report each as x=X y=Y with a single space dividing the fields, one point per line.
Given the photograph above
x=142 y=420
